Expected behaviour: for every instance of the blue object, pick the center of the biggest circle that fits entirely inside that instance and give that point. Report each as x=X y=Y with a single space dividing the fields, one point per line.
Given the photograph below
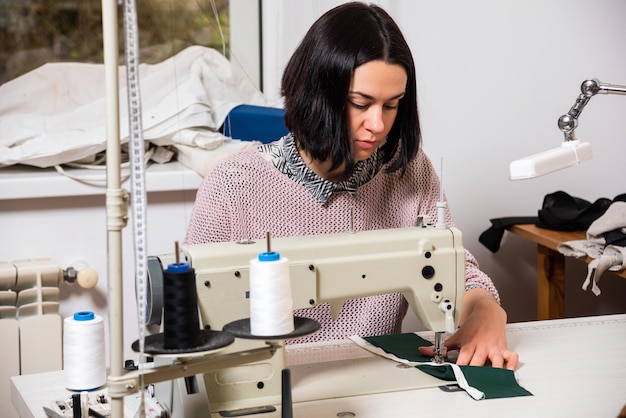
x=255 y=123
x=178 y=268
x=269 y=256
x=84 y=316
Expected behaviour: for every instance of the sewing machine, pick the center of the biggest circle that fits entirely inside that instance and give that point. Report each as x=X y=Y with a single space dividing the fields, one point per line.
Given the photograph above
x=424 y=262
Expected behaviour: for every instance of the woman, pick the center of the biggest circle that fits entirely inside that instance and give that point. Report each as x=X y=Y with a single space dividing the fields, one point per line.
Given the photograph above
x=352 y=158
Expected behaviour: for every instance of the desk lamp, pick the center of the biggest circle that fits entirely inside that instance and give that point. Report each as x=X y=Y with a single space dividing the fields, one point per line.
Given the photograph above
x=572 y=151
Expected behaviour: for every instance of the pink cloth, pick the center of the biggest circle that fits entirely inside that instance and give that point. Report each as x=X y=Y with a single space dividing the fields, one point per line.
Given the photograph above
x=244 y=196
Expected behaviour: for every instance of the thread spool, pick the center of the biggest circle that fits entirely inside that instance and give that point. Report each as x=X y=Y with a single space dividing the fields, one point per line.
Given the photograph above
x=181 y=325
x=83 y=351
x=271 y=303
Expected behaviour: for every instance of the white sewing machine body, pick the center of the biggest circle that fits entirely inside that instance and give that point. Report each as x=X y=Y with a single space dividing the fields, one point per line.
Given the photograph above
x=425 y=263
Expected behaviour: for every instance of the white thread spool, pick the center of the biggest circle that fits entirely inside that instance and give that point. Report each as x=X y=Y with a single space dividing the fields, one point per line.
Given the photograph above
x=271 y=303
x=83 y=351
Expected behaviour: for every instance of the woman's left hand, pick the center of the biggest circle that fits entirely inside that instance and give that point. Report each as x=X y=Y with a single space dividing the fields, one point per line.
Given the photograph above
x=481 y=336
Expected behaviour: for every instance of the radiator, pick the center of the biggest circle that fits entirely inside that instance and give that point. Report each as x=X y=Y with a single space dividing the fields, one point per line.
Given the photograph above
x=30 y=324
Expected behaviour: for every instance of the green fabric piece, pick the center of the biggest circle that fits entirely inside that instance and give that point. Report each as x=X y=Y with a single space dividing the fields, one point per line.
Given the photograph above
x=493 y=382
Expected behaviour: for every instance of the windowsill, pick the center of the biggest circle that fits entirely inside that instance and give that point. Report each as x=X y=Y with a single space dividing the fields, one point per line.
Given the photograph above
x=24 y=182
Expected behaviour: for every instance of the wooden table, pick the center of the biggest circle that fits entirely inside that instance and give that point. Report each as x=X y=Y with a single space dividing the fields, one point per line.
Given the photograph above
x=550 y=267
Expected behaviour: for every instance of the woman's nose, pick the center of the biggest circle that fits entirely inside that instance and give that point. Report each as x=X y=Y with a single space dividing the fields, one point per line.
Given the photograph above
x=374 y=119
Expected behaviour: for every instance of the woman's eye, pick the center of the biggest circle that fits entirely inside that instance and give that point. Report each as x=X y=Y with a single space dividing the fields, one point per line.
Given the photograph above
x=386 y=106
x=358 y=106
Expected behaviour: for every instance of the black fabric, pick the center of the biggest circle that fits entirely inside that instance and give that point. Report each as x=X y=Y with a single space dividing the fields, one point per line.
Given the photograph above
x=615 y=237
x=492 y=237
x=560 y=212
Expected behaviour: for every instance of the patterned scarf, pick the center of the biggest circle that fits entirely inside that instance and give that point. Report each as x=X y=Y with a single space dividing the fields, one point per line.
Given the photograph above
x=283 y=154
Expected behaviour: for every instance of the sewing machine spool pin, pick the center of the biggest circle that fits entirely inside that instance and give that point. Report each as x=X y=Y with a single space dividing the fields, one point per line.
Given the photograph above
x=177 y=252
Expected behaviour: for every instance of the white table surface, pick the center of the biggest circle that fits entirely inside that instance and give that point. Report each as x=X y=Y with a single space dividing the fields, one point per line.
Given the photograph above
x=574 y=368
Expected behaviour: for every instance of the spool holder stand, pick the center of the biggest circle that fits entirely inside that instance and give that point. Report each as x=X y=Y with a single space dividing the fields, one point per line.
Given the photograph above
x=189 y=364
x=302 y=326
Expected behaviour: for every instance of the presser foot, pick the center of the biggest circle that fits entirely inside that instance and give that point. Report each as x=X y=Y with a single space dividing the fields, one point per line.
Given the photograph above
x=439 y=357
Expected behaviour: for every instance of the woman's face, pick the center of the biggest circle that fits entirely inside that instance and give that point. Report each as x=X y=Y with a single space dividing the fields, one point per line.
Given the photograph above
x=375 y=92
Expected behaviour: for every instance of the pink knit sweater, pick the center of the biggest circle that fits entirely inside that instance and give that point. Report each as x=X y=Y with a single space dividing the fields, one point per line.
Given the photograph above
x=244 y=196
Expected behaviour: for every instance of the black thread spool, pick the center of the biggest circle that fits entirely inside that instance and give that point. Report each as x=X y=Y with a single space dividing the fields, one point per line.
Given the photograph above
x=181 y=326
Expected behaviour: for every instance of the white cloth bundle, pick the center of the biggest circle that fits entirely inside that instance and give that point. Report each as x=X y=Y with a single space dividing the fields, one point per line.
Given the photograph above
x=605 y=257
x=55 y=114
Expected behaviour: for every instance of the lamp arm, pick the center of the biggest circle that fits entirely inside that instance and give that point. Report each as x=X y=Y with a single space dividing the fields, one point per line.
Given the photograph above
x=589 y=88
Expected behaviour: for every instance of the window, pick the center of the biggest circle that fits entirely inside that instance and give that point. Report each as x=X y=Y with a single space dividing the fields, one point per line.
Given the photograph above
x=34 y=32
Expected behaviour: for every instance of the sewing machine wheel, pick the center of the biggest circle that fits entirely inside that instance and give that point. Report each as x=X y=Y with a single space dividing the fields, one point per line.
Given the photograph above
x=210 y=342
x=302 y=327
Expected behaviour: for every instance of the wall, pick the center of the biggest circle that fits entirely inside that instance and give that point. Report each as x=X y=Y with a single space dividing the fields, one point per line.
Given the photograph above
x=493 y=79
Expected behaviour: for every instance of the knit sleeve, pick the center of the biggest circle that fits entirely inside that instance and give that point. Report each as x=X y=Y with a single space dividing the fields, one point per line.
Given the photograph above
x=213 y=212
x=475 y=277
x=201 y=229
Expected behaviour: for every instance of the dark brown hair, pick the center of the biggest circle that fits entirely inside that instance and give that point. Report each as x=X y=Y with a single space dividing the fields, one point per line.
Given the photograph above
x=317 y=78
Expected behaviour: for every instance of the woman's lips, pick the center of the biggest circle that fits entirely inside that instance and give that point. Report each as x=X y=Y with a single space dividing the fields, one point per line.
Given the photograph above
x=368 y=145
